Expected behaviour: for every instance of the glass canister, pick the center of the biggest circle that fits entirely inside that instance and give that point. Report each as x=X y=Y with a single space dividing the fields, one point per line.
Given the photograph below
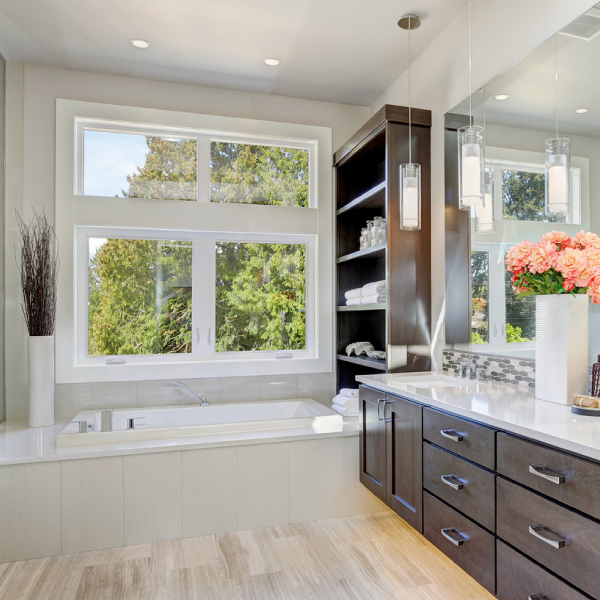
x=382 y=233
x=370 y=232
x=375 y=229
x=364 y=238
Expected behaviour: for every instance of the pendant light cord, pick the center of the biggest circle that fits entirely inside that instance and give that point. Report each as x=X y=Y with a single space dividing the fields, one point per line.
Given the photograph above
x=556 y=85
x=409 y=96
x=470 y=83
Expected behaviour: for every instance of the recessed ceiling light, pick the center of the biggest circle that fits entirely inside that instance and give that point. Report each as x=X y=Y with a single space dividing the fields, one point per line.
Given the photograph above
x=142 y=44
x=581 y=111
x=501 y=97
x=272 y=62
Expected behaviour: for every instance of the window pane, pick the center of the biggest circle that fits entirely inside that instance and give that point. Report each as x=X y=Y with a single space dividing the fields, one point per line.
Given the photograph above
x=139 y=166
x=139 y=297
x=480 y=288
x=524 y=197
x=520 y=314
x=260 y=303
x=251 y=174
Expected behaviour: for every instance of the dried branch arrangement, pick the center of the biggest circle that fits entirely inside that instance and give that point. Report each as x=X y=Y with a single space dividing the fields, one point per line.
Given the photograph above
x=38 y=268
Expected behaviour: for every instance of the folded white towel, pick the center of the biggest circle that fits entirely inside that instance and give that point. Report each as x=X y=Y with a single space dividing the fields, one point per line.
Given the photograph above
x=345 y=401
x=373 y=288
x=345 y=411
x=353 y=301
x=351 y=392
x=373 y=299
x=355 y=293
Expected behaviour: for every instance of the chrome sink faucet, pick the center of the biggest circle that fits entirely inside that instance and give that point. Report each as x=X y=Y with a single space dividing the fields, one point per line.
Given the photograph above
x=203 y=400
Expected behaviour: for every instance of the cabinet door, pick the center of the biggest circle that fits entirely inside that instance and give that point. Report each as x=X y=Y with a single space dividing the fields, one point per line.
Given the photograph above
x=404 y=459
x=372 y=441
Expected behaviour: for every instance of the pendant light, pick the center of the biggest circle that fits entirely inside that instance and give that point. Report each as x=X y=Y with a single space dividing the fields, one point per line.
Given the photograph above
x=558 y=161
x=485 y=212
x=410 y=173
x=470 y=154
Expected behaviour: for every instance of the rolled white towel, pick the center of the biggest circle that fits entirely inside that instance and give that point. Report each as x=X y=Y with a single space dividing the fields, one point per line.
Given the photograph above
x=353 y=301
x=375 y=287
x=351 y=392
x=345 y=411
x=373 y=299
x=355 y=293
x=345 y=401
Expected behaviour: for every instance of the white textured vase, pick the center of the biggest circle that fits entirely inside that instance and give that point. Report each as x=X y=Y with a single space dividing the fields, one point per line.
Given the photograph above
x=40 y=362
x=561 y=347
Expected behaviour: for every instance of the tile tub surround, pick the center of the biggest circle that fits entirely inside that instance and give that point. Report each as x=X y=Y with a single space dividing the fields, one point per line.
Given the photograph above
x=51 y=508
x=72 y=398
x=514 y=371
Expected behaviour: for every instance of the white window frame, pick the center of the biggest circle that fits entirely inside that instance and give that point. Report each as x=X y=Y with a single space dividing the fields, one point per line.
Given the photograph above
x=79 y=217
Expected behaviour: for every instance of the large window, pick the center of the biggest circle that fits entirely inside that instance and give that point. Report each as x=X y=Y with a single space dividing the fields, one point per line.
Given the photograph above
x=197 y=249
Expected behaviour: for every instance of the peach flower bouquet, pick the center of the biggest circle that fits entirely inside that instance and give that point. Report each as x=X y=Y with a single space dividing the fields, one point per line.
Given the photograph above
x=558 y=264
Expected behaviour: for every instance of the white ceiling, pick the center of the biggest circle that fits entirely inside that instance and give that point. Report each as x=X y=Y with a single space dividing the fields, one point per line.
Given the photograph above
x=346 y=51
x=531 y=86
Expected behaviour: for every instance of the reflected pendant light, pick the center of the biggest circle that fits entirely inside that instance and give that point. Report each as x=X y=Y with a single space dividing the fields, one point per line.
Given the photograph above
x=485 y=211
x=558 y=162
x=470 y=154
x=410 y=173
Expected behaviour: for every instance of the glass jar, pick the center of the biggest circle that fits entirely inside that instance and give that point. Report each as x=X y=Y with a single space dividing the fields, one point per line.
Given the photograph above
x=370 y=233
x=382 y=232
x=375 y=228
x=364 y=238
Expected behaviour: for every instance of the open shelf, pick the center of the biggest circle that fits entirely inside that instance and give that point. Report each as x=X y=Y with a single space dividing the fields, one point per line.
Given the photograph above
x=373 y=198
x=372 y=252
x=372 y=363
x=357 y=307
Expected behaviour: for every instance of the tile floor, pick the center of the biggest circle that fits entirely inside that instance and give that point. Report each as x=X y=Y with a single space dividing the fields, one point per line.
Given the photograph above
x=370 y=557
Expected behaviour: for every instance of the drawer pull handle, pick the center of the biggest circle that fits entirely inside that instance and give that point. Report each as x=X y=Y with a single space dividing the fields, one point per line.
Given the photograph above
x=385 y=403
x=456 y=541
x=538 y=597
x=452 y=435
x=453 y=481
x=539 y=471
x=380 y=401
x=535 y=530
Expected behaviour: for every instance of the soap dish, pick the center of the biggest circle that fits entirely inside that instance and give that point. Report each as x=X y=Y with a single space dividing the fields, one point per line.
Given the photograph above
x=584 y=410
x=579 y=405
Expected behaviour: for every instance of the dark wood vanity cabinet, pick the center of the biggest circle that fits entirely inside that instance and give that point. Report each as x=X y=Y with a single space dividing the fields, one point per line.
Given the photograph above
x=390 y=433
x=520 y=517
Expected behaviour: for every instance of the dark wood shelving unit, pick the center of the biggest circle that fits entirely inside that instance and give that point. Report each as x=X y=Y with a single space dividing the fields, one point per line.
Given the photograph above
x=367 y=185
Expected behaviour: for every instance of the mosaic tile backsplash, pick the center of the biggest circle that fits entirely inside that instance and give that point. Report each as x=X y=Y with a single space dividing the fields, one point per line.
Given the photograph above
x=515 y=371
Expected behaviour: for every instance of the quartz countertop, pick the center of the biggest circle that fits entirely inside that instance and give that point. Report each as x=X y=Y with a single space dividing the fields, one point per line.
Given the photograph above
x=21 y=444
x=508 y=407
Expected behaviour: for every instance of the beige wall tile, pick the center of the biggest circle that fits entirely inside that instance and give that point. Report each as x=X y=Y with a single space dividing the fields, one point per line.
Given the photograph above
x=117 y=394
x=278 y=387
x=240 y=389
x=70 y=399
x=319 y=386
x=92 y=504
x=209 y=491
x=262 y=475
x=157 y=393
x=29 y=511
x=152 y=497
x=313 y=480
x=209 y=387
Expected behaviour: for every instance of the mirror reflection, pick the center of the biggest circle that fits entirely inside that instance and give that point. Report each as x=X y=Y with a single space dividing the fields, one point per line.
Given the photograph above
x=553 y=92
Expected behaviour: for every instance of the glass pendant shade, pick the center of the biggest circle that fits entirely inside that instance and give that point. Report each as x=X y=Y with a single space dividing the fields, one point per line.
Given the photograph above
x=410 y=196
x=485 y=212
x=558 y=180
x=470 y=167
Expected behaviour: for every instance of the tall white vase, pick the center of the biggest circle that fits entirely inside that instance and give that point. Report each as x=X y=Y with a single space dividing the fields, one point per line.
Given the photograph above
x=561 y=347
x=40 y=361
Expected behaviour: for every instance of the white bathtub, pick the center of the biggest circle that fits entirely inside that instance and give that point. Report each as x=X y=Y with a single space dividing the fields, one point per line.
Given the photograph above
x=195 y=421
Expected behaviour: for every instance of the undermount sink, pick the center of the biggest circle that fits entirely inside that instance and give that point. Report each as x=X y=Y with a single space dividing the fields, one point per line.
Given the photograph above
x=432 y=381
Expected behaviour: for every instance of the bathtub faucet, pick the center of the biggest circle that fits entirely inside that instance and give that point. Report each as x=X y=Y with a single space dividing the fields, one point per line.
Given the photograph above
x=203 y=400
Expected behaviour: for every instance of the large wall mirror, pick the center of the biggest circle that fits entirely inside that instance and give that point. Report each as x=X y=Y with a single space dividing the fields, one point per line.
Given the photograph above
x=556 y=83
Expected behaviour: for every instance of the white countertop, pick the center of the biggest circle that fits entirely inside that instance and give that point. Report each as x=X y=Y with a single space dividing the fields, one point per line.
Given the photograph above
x=508 y=407
x=21 y=444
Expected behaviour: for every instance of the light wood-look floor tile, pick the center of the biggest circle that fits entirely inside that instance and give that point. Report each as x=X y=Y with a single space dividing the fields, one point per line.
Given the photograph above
x=365 y=557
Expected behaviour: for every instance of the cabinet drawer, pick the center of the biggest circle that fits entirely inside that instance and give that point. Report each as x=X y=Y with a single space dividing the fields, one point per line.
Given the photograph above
x=526 y=463
x=564 y=541
x=476 y=552
x=465 y=486
x=474 y=442
x=520 y=578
